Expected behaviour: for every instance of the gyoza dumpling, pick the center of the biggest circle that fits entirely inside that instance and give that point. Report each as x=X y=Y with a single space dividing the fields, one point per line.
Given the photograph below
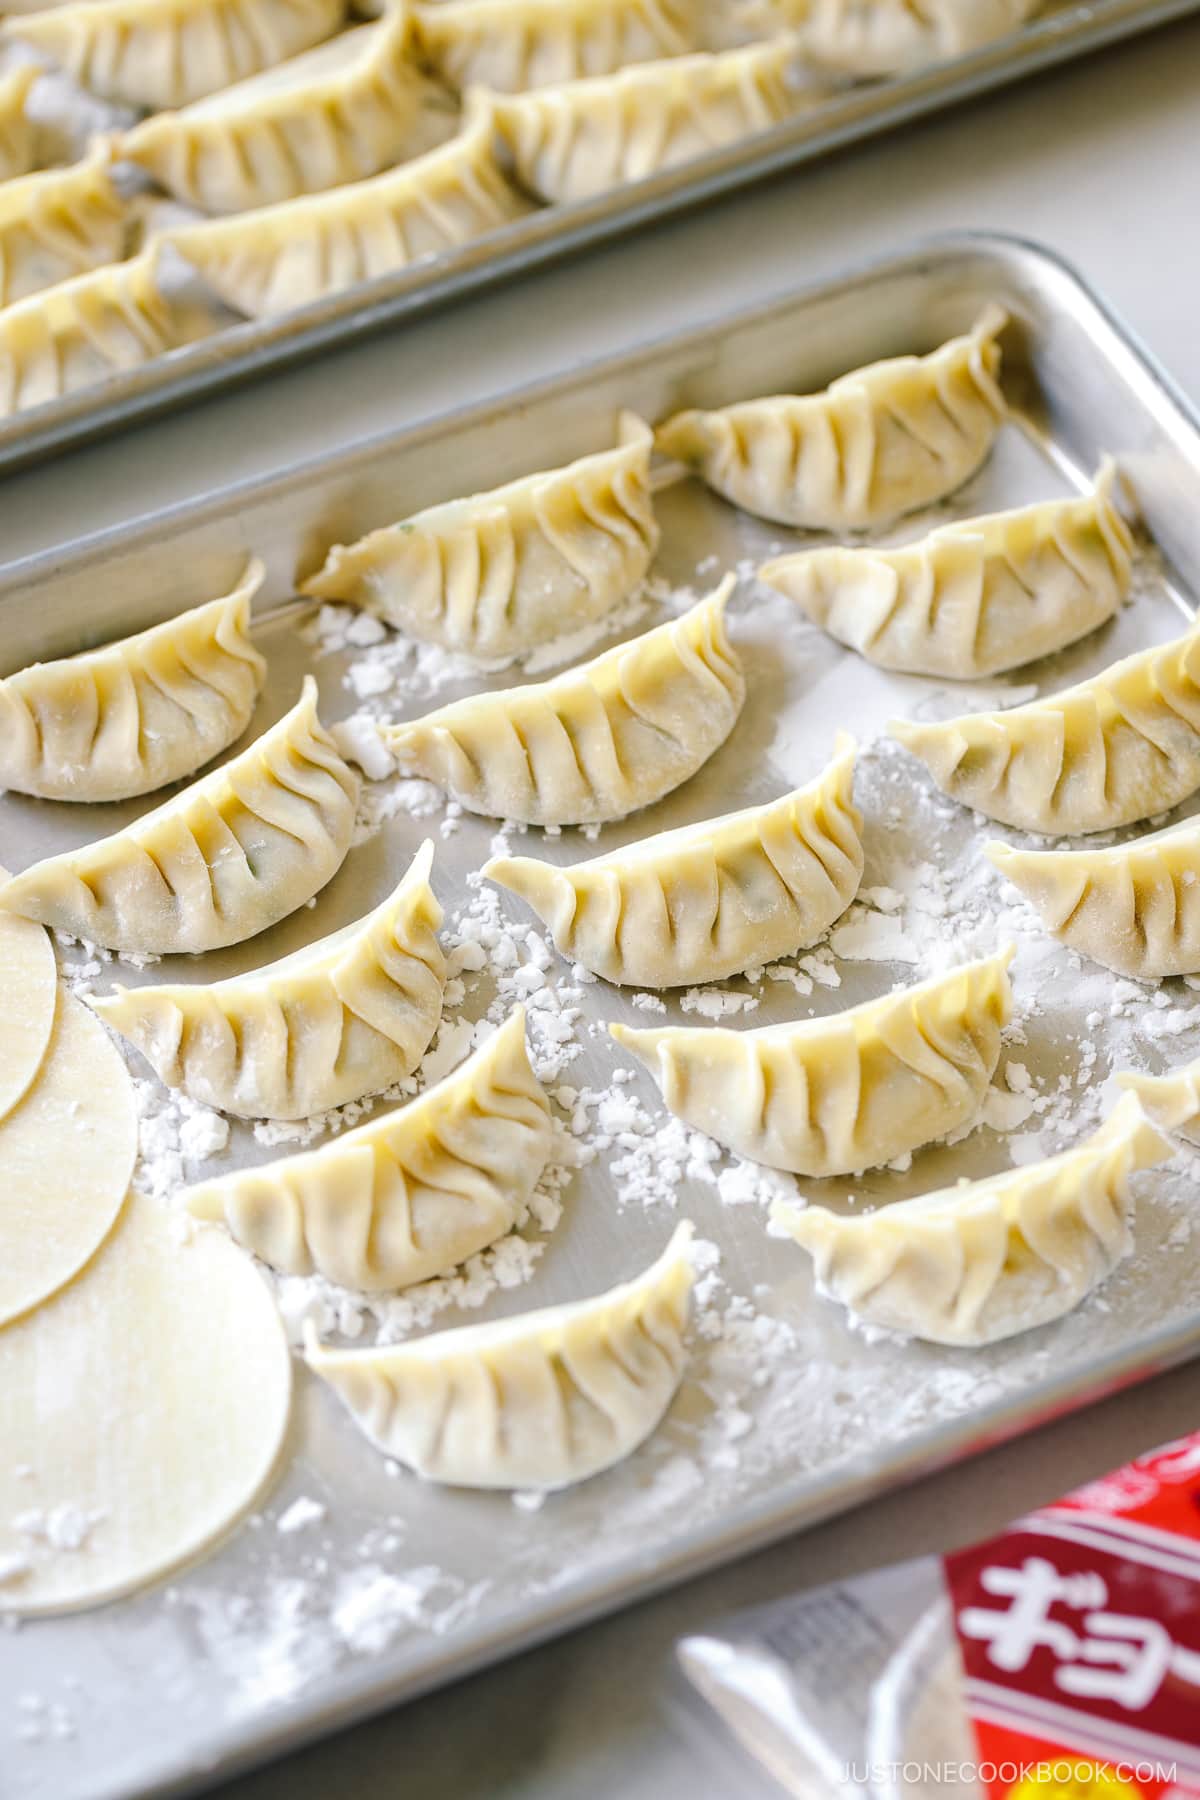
x=709 y=900
x=235 y=852
x=159 y=53
x=263 y=142
x=58 y=224
x=585 y=137
x=501 y=572
x=343 y=1018
x=976 y=597
x=1135 y=907
x=136 y=714
x=601 y=741
x=971 y=1264
x=511 y=45
x=76 y=333
x=886 y=37
x=18 y=138
x=1172 y=1101
x=540 y=1400
x=409 y=1195
x=289 y=255
x=833 y=1096
x=1110 y=751
x=878 y=442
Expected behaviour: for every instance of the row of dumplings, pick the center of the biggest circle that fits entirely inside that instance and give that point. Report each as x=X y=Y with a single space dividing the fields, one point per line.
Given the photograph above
x=345 y=157
x=501 y=573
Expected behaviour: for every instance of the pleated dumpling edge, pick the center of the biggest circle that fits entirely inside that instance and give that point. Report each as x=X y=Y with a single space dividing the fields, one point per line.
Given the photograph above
x=602 y=740
x=580 y=1385
x=222 y=860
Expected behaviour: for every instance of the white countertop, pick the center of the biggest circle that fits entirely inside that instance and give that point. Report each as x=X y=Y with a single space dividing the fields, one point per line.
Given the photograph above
x=1100 y=163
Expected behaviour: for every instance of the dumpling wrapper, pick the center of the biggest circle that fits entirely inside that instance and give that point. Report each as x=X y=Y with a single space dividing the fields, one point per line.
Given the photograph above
x=79 y=332
x=885 y=37
x=29 y=984
x=540 y=1400
x=299 y=129
x=233 y=853
x=600 y=741
x=586 y=137
x=158 y=53
x=833 y=1096
x=877 y=443
x=1172 y=1101
x=148 y=1401
x=59 y=224
x=972 y=1264
x=340 y=1019
x=706 y=901
x=1134 y=908
x=409 y=1195
x=67 y=1150
x=137 y=714
x=281 y=257
x=1105 y=753
x=501 y=572
x=974 y=598
x=512 y=45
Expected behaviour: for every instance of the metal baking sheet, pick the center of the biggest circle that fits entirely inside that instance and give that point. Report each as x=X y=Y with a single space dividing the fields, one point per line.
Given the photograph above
x=271 y=1640
x=241 y=352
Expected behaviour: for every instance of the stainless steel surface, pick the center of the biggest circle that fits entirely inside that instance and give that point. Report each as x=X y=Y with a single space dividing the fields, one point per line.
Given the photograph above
x=1082 y=388
x=242 y=352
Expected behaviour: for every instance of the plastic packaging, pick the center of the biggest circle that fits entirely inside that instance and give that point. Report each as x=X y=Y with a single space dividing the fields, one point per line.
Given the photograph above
x=1057 y=1660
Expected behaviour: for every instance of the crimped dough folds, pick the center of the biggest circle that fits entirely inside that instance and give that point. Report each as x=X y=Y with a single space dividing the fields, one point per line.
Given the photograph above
x=344 y=1018
x=972 y=1264
x=600 y=741
x=411 y=1194
x=709 y=900
x=835 y=1095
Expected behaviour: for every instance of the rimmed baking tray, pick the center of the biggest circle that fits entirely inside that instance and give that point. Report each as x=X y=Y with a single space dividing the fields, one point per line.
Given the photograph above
x=279 y=1636
x=239 y=353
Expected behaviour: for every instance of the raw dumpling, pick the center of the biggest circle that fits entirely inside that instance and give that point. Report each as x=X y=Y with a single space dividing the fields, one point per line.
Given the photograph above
x=878 y=442
x=709 y=900
x=886 y=37
x=501 y=572
x=1112 y=750
x=568 y=142
x=540 y=1400
x=511 y=45
x=971 y=1264
x=833 y=1096
x=345 y=1017
x=18 y=140
x=136 y=714
x=230 y=855
x=976 y=597
x=1172 y=1101
x=256 y=145
x=290 y=255
x=596 y=743
x=408 y=1196
x=160 y=53
x=57 y=224
x=1134 y=907
x=78 y=332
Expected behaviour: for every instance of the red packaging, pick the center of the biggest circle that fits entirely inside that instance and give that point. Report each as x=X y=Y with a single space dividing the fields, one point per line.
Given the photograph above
x=1056 y=1661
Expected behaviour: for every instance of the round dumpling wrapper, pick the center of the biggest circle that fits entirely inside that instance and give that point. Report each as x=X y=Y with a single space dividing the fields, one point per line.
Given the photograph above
x=142 y=1409
x=67 y=1151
